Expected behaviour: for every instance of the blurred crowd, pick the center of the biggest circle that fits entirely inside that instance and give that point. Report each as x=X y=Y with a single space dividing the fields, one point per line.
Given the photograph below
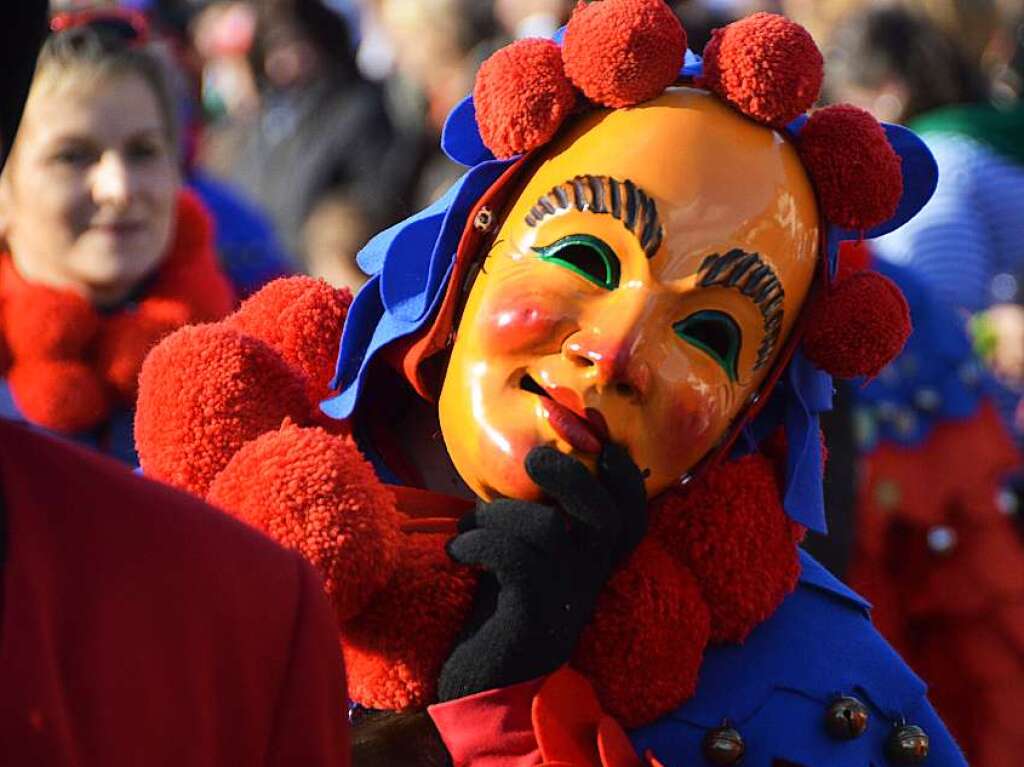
x=326 y=114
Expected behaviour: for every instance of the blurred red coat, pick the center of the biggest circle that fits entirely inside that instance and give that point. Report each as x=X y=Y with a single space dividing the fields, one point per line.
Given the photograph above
x=141 y=627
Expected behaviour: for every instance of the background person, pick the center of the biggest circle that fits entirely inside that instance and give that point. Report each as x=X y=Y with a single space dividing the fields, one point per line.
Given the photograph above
x=104 y=253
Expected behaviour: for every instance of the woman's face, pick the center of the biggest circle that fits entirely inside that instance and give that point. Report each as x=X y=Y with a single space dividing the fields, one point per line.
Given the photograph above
x=87 y=201
x=639 y=290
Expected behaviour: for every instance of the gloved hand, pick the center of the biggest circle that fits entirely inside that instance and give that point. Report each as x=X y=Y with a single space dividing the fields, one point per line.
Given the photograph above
x=544 y=567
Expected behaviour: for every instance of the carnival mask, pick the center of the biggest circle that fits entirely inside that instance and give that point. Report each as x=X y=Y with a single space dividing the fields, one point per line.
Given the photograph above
x=639 y=289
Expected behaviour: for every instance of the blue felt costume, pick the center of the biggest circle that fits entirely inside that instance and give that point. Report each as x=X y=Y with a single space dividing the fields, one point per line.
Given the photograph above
x=776 y=687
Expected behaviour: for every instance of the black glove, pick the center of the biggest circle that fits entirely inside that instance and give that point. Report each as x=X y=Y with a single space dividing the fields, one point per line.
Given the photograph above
x=544 y=567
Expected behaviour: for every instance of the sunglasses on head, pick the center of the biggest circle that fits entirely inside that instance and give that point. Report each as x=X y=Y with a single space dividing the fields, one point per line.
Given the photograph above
x=126 y=26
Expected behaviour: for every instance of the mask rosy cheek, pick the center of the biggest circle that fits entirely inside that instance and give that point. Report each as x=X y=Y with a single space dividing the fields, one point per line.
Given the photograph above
x=518 y=326
x=689 y=425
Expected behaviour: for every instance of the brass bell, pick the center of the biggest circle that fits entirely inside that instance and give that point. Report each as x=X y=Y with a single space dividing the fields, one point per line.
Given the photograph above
x=908 y=744
x=723 y=746
x=846 y=718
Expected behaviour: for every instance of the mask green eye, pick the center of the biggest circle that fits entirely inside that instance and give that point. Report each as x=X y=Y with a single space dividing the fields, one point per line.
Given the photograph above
x=588 y=256
x=715 y=333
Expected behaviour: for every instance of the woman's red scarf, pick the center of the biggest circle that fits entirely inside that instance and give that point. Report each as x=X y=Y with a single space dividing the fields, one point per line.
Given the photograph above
x=68 y=366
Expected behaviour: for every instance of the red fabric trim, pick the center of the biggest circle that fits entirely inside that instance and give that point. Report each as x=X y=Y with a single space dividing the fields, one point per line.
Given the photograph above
x=407 y=356
x=490 y=729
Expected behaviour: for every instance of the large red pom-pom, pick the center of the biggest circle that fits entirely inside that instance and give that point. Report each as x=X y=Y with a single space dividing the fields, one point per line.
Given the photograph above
x=766 y=66
x=44 y=323
x=643 y=647
x=394 y=649
x=302 y=319
x=203 y=393
x=855 y=170
x=623 y=52
x=315 y=493
x=730 y=529
x=522 y=96
x=59 y=395
x=859 y=327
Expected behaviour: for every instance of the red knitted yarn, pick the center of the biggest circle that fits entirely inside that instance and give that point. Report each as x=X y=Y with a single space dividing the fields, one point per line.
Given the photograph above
x=316 y=494
x=623 y=52
x=60 y=395
x=203 y=393
x=856 y=172
x=730 y=529
x=766 y=66
x=41 y=322
x=859 y=327
x=124 y=342
x=854 y=256
x=394 y=649
x=522 y=96
x=302 y=319
x=643 y=648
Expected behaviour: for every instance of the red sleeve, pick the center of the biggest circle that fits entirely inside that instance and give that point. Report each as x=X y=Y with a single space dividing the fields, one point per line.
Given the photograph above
x=310 y=723
x=555 y=721
x=490 y=729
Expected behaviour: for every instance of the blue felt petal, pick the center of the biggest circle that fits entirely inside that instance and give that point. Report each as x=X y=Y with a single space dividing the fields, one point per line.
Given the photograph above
x=460 y=138
x=420 y=254
x=693 y=65
x=372 y=255
x=360 y=322
x=776 y=687
x=810 y=393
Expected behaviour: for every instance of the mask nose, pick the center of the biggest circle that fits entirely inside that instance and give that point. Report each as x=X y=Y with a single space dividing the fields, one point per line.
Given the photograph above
x=612 y=359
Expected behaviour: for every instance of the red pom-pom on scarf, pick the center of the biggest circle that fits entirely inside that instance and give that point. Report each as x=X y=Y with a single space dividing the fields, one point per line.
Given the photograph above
x=766 y=66
x=623 y=52
x=522 y=96
x=858 y=327
x=60 y=395
x=855 y=170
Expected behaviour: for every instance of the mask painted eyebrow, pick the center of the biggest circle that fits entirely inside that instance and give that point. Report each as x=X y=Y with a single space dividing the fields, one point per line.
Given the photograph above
x=749 y=274
x=622 y=200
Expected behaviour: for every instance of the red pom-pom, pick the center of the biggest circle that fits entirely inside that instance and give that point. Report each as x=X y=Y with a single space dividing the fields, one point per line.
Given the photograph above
x=124 y=342
x=315 y=493
x=394 y=649
x=41 y=322
x=522 y=96
x=855 y=170
x=302 y=319
x=854 y=256
x=203 y=393
x=730 y=529
x=623 y=52
x=644 y=645
x=859 y=327
x=766 y=66
x=59 y=395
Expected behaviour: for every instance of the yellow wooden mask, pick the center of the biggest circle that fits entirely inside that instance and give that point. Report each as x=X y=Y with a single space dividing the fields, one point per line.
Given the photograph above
x=639 y=289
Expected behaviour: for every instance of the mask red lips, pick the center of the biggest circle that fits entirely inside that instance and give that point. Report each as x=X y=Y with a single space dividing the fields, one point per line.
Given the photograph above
x=585 y=429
